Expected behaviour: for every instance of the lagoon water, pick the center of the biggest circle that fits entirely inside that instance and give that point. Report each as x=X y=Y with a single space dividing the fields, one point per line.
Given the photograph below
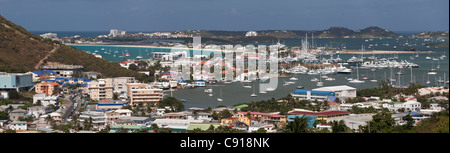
x=235 y=93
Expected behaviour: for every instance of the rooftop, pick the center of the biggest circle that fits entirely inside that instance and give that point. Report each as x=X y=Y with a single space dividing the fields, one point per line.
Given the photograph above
x=327 y=113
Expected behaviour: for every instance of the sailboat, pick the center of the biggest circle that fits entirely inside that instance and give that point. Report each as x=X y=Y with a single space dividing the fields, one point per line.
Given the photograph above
x=139 y=56
x=293 y=78
x=357 y=77
x=254 y=94
x=373 y=80
x=220 y=98
x=432 y=71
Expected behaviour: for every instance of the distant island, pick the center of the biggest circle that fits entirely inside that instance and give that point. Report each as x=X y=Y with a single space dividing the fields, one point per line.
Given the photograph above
x=226 y=37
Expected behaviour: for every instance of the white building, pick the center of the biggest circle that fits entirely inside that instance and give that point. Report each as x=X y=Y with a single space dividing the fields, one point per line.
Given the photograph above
x=45 y=99
x=353 y=121
x=98 y=119
x=18 y=126
x=115 y=33
x=413 y=106
x=251 y=34
x=49 y=35
x=37 y=111
x=342 y=92
x=120 y=84
x=429 y=90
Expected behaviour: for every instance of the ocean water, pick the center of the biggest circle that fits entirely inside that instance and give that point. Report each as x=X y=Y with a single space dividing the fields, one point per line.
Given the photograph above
x=235 y=93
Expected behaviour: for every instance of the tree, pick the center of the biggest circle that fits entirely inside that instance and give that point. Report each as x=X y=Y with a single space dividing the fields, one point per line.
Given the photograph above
x=381 y=123
x=409 y=122
x=339 y=127
x=13 y=94
x=299 y=125
x=4 y=115
x=172 y=102
x=224 y=114
x=261 y=130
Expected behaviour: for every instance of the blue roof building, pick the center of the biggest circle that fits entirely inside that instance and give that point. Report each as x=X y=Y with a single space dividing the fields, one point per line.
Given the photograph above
x=313 y=95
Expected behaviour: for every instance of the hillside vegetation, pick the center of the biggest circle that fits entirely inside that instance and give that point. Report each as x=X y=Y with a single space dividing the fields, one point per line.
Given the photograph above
x=21 y=51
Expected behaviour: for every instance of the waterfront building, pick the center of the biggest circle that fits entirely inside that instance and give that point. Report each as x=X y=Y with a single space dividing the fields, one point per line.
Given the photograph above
x=46 y=88
x=16 y=81
x=131 y=86
x=101 y=89
x=313 y=95
x=115 y=33
x=146 y=96
x=342 y=91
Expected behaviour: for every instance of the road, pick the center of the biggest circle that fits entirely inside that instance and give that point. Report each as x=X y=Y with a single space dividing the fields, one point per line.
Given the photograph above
x=71 y=99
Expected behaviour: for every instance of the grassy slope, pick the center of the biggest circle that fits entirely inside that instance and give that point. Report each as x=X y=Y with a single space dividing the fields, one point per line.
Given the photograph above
x=21 y=50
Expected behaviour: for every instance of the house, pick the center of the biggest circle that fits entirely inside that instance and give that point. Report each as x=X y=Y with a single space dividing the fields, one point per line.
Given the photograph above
x=266 y=117
x=235 y=121
x=199 y=116
x=18 y=126
x=353 y=121
x=43 y=75
x=143 y=121
x=37 y=111
x=45 y=99
x=431 y=90
x=15 y=114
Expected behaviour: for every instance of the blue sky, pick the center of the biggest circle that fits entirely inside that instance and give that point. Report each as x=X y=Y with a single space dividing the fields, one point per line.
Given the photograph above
x=172 y=15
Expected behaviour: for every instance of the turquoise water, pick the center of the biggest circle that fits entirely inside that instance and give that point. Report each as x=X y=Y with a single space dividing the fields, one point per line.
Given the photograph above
x=234 y=93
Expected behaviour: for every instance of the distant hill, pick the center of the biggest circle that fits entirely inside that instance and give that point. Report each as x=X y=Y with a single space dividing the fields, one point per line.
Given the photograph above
x=21 y=51
x=437 y=34
x=333 y=32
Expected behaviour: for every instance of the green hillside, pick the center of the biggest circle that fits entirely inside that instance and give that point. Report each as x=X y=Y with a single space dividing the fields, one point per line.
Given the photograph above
x=21 y=51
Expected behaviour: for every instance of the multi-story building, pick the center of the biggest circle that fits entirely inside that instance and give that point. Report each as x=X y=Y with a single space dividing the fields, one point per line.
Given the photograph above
x=120 y=84
x=45 y=99
x=146 y=96
x=16 y=81
x=101 y=89
x=99 y=119
x=413 y=106
x=46 y=88
x=131 y=86
x=64 y=70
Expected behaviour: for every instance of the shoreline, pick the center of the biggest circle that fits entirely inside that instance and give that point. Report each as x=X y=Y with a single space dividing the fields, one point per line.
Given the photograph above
x=340 y=52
